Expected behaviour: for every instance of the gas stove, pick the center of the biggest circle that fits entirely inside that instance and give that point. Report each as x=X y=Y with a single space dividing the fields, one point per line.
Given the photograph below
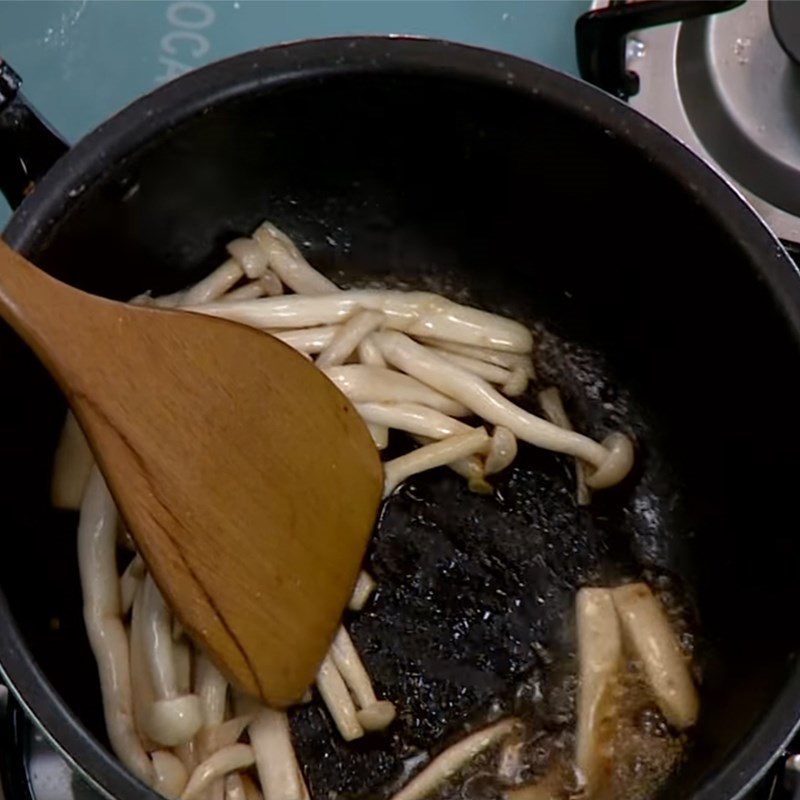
x=722 y=76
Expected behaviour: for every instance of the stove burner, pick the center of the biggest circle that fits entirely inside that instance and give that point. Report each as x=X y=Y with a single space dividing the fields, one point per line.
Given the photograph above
x=785 y=20
x=726 y=84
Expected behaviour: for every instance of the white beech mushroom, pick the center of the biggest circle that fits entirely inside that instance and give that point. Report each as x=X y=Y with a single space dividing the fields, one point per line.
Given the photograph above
x=215 y=284
x=483 y=369
x=143 y=695
x=433 y=455
x=97 y=541
x=369 y=353
x=412 y=418
x=288 y=263
x=170 y=774
x=651 y=638
x=365 y=586
x=454 y=759
x=471 y=468
x=362 y=384
x=231 y=758
x=173 y=718
x=373 y=714
x=211 y=687
x=72 y=463
x=348 y=337
x=612 y=459
x=337 y=699
x=501 y=358
x=234 y=787
x=270 y=284
x=129 y=581
x=502 y=450
x=307 y=340
x=215 y=737
x=416 y=313
x=249 y=291
x=379 y=434
x=188 y=754
x=250 y=256
x=553 y=409
x=278 y=770
x=599 y=663
x=516 y=384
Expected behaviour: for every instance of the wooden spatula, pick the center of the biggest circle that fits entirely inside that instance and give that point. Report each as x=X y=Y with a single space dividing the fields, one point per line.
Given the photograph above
x=248 y=481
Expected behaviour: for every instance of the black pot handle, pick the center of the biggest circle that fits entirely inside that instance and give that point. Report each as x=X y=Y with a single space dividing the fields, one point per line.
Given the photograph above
x=29 y=146
x=600 y=36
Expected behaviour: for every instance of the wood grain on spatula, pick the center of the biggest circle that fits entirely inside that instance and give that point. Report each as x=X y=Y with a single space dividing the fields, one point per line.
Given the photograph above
x=248 y=481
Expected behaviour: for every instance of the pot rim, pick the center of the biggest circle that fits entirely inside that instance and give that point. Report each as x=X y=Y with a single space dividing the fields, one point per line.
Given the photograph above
x=268 y=68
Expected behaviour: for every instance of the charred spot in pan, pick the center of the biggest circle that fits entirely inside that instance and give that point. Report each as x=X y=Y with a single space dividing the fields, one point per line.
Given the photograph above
x=467 y=610
x=472 y=617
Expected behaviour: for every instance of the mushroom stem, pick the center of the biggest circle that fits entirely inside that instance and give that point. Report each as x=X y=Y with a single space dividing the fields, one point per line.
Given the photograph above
x=362 y=384
x=379 y=434
x=173 y=718
x=97 y=537
x=215 y=737
x=433 y=455
x=338 y=701
x=599 y=662
x=250 y=256
x=487 y=402
x=416 y=313
x=553 y=409
x=373 y=714
x=483 y=369
x=308 y=340
x=170 y=774
x=229 y=759
x=510 y=361
x=364 y=587
x=412 y=418
x=215 y=284
x=234 y=787
x=348 y=337
x=288 y=263
x=502 y=450
x=276 y=763
x=212 y=688
x=158 y=640
x=650 y=636
x=131 y=578
x=72 y=463
x=369 y=353
x=454 y=759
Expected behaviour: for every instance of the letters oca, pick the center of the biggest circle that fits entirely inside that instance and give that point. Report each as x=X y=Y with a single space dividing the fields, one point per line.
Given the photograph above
x=185 y=43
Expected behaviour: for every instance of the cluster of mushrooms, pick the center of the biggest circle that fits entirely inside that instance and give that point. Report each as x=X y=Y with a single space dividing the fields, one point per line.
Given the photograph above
x=413 y=362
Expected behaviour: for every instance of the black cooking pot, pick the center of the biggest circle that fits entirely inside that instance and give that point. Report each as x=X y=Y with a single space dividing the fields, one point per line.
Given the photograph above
x=446 y=166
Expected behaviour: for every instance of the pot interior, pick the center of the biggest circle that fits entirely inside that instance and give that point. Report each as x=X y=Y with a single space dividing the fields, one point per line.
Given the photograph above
x=651 y=317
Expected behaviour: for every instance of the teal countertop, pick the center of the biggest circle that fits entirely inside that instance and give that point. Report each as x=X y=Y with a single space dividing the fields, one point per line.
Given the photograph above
x=81 y=61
